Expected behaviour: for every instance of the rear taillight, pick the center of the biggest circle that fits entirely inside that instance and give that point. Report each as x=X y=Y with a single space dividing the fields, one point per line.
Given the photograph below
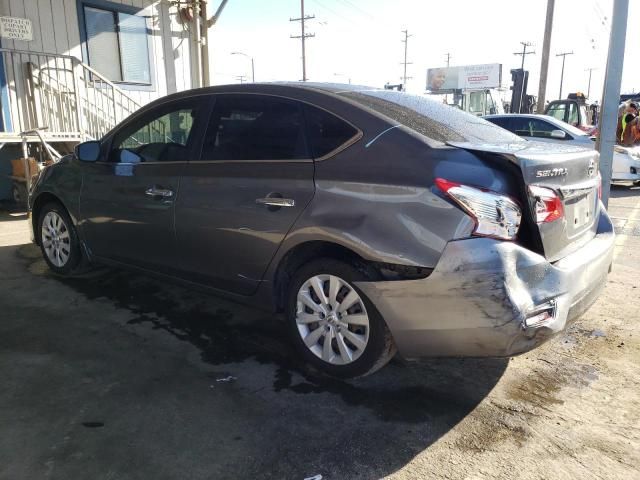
x=548 y=204
x=495 y=215
x=599 y=186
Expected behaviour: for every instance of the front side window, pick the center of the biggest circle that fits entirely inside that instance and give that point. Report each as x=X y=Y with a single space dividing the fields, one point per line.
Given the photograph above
x=254 y=127
x=161 y=136
x=117 y=45
x=540 y=128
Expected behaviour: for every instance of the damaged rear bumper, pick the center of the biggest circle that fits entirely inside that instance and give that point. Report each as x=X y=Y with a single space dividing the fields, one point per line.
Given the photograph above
x=482 y=291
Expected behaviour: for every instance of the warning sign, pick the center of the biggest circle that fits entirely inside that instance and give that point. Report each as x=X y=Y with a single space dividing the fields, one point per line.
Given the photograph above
x=16 y=28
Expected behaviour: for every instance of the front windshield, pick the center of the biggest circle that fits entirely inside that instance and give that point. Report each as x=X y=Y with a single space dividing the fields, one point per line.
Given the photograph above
x=434 y=120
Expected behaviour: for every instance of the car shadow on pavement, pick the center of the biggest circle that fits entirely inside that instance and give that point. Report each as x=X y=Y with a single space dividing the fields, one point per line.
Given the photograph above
x=295 y=423
x=621 y=190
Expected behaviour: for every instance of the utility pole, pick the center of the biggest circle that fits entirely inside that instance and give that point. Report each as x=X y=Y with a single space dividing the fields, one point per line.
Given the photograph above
x=589 y=87
x=198 y=47
x=448 y=55
x=405 y=63
x=303 y=36
x=240 y=78
x=544 y=63
x=611 y=95
x=524 y=52
x=563 y=55
x=204 y=42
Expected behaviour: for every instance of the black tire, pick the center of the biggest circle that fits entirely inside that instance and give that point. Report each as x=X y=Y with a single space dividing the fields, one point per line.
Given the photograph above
x=76 y=261
x=380 y=347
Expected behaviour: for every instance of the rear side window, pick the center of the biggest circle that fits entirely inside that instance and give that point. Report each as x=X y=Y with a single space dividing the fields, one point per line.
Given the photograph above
x=326 y=131
x=255 y=127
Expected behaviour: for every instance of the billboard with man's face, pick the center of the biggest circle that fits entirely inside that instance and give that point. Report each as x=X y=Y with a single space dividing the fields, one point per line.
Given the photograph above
x=466 y=77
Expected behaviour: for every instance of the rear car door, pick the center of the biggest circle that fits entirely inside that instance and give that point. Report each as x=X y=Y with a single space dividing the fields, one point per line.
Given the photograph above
x=127 y=201
x=241 y=197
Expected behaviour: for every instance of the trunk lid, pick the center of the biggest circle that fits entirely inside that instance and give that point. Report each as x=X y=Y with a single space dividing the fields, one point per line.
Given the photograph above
x=571 y=172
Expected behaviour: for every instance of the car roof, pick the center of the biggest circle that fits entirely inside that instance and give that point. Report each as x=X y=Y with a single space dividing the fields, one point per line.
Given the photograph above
x=270 y=87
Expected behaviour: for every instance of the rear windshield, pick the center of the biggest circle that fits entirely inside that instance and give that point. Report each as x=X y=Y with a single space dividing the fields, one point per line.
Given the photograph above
x=432 y=119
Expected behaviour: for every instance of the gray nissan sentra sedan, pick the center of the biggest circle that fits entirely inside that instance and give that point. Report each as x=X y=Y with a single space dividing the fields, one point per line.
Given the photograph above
x=374 y=220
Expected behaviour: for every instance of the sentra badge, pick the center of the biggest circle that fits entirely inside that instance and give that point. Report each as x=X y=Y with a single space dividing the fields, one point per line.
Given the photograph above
x=553 y=172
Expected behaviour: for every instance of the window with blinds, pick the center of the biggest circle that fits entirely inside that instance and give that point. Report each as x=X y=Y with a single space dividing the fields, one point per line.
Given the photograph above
x=117 y=45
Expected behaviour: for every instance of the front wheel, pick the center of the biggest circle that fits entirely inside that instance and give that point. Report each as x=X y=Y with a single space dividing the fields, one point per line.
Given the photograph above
x=58 y=239
x=334 y=326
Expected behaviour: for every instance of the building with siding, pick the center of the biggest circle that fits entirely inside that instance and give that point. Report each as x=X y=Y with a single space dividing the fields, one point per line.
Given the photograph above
x=86 y=65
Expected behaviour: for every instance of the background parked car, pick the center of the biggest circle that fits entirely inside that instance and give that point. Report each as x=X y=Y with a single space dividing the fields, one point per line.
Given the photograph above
x=543 y=128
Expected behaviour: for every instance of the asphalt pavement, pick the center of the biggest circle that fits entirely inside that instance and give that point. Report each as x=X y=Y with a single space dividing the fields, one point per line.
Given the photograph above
x=121 y=376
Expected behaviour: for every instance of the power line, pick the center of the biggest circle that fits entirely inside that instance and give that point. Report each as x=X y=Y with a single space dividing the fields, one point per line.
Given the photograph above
x=405 y=63
x=303 y=36
x=348 y=3
x=321 y=5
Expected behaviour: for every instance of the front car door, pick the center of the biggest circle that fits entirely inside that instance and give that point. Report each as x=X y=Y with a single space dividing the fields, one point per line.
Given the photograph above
x=127 y=201
x=239 y=200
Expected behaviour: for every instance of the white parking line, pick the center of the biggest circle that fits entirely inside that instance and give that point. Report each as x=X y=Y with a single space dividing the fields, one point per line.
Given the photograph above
x=634 y=215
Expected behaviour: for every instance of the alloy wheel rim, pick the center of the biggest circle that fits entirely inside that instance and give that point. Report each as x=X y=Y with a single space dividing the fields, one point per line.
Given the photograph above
x=55 y=239
x=332 y=319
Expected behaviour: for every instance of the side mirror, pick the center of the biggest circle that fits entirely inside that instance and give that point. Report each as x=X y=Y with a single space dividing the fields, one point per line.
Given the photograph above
x=561 y=134
x=88 y=151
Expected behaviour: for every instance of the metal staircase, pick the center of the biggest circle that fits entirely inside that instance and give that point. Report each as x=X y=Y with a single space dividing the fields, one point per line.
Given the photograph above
x=66 y=100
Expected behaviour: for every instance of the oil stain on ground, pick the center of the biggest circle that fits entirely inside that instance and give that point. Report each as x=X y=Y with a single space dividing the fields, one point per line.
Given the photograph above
x=444 y=387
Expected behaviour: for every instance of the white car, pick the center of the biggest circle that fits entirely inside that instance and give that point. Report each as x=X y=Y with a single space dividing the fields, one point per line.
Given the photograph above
x=543 y=128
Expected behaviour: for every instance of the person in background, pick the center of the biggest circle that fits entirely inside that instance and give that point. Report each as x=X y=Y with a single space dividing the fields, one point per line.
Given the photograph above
x=594 y=113
x=624 y=134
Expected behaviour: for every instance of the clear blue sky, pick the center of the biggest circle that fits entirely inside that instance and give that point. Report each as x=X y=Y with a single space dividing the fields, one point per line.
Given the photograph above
x=361 y=40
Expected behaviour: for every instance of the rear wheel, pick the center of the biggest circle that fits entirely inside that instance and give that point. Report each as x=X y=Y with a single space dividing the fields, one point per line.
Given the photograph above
x=334 y=326
x=58 y=239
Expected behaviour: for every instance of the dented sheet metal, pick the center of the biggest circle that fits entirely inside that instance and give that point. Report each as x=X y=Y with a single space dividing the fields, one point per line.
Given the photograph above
x=475 y=301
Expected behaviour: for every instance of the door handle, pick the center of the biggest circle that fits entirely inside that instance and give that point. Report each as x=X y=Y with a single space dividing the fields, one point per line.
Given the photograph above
x=159 y=192
x=276 y=202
